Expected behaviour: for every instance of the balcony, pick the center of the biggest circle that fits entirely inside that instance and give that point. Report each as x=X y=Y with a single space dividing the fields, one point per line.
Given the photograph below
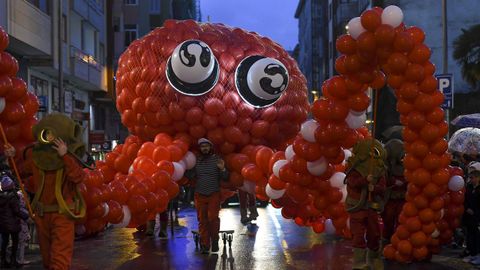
x=30 y=29
x=86 y=71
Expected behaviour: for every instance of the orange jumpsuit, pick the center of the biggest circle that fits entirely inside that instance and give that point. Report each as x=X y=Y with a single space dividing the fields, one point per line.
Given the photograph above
x=55 y=231
x=364 y=223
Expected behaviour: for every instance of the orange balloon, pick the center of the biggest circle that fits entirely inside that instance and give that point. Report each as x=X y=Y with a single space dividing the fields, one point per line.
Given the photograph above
x=389 y=252
x=413 y=224
x=161 y=153
x=166 y=166
x=405 y=247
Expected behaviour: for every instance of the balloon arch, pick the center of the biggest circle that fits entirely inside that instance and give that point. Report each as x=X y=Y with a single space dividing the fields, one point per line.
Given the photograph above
x=188 y=80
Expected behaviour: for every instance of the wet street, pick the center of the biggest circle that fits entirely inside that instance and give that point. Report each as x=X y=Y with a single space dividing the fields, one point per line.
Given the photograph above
x=276 y=244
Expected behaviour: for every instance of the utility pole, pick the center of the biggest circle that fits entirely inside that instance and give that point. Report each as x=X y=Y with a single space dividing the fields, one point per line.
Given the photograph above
x=60 y=57
x=445 y=55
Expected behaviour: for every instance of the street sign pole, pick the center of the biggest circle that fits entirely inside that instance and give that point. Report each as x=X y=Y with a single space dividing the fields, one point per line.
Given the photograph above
x=445 y=56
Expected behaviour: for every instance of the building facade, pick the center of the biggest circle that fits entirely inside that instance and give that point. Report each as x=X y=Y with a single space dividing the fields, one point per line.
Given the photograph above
x=46 y=36
x=320 y=23
x=132 y=19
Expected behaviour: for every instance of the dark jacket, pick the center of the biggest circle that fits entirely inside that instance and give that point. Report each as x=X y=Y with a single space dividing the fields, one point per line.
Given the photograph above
x=10 y=212
x=472 y=201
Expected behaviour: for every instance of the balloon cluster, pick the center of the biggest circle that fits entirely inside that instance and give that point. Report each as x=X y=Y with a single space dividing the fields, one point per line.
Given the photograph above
x=136 y=181
x=17 y=105
x=247 y=90
x=379 y=41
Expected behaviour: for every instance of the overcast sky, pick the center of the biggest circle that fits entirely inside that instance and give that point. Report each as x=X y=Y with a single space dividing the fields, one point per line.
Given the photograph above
x=272 y=18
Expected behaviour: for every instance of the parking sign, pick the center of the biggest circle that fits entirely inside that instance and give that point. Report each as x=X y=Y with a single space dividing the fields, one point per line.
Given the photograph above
x=445 y=85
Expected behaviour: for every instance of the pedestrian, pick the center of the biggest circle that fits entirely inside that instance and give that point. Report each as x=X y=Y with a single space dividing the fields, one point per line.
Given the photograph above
x=11 y=215
x=24 y=235
x=396 y=187
x=471 y=216
x=247 y=202
x=365 y=181
x=52 y=169
x=209 y=170
x=163 y=224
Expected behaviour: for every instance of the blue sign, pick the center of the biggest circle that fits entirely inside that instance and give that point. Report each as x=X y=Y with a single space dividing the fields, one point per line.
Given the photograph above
x=43 y=103
x=445 y=85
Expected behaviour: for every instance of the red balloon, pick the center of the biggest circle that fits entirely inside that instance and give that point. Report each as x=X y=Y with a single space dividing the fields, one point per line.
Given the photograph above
x=137 y=204
x=18 y=91
x=3 y=39
x=6 y=84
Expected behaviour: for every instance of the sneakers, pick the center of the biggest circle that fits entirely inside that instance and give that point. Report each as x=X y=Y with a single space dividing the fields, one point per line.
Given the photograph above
x=253 y=216
x=162 y=235
x=215 y=247
x=244 y=220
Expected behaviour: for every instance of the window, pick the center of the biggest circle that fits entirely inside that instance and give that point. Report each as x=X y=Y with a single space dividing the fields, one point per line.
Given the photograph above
x=101 y=55
x=43 y=5
x=130 y=2
x=131 y=33
x=64 y=25
x=154 y=6
x=40 y=86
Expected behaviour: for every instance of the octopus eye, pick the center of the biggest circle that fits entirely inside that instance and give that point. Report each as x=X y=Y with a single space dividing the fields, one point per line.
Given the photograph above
x=260 y=80
x=192 y=69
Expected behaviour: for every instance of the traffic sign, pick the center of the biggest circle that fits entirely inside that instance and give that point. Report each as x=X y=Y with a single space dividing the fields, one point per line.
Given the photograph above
x=445 y=85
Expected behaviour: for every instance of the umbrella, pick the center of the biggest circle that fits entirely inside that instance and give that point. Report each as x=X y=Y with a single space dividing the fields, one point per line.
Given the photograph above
x=393 y=132
x=467 y=120
x=465 y=141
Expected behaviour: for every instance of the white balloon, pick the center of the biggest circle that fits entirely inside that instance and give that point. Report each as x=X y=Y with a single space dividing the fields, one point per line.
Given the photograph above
x=190 y=159
x=2 y=104
x=355 y=28
x=308 y=130
x=289 y=153
x=357 y=113
x=435 y=234
x=355 y=121
x=273 y=193
x=392 y=15
x=337 y=180
x=178 y=171
x=347 y=153
x=317 y=167
x=248 y=186
x=277 y=166
x=183 y=164
x=344 y=193
x=106 y=209
x=329 y=228
x=127 y=216
x=456 y=183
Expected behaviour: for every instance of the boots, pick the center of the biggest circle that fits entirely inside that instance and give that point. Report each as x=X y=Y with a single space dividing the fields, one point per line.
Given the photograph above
x=359 y=259
x=374 y=260
x=13 y=262
x=150 y=227
x=21 y=253
x=3 y=260
x=163 y=230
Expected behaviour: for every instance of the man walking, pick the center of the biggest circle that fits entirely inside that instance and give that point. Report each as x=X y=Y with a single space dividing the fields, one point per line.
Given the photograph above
x=208 y=172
